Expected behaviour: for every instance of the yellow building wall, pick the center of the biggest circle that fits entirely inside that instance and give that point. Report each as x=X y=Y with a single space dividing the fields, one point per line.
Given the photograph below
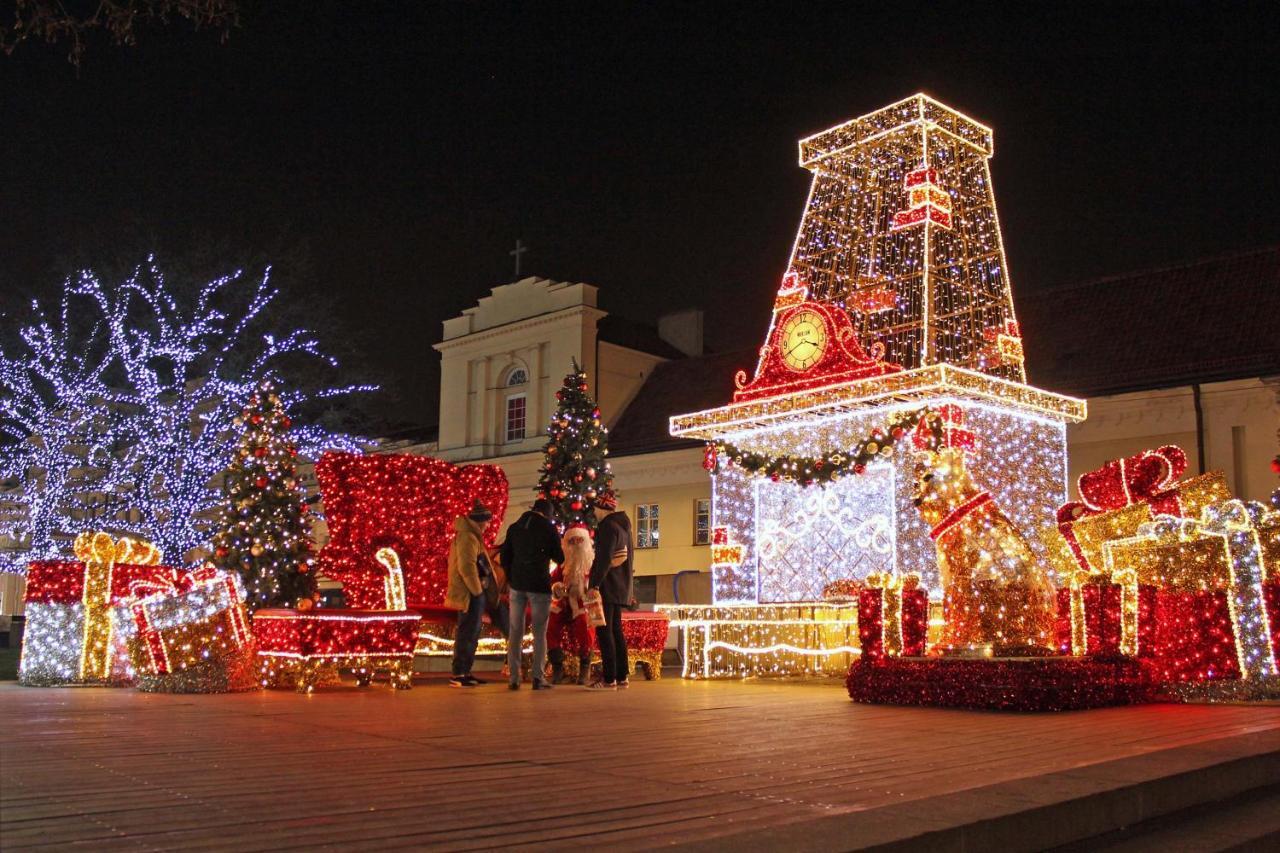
x=676 y=551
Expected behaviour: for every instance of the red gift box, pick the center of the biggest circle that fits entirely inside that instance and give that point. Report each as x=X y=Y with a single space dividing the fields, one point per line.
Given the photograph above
x=1271 y=596
x=1104 y=619
x=913 y=618
x=1194 y=639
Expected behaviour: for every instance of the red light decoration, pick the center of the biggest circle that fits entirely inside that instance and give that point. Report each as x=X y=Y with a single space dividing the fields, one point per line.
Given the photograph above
x=302 y=648
x=1025 y=684
x=812 y=345
x=1103 y=615
x=407 y=503
x=893 y=618
x=1194 y=638
x=929 y=202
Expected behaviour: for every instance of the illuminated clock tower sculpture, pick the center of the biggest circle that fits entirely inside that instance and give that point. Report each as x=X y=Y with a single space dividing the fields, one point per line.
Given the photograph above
x=896 y=298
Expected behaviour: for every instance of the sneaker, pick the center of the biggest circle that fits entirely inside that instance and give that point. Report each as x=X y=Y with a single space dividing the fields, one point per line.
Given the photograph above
x=624 y=684
x=513 y=685
x=460 y=681
x=542 y=685
x=602 y=685
x=474 y=681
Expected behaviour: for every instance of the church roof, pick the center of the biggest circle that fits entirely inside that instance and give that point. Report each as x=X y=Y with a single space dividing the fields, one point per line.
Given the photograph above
x=673 y=388
x=632 y=335
x=1207 y=321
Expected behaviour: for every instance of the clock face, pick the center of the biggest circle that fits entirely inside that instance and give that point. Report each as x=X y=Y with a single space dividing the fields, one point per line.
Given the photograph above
x=803 y=339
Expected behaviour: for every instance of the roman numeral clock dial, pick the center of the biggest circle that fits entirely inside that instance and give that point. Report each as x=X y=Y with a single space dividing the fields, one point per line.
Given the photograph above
x=803 y=340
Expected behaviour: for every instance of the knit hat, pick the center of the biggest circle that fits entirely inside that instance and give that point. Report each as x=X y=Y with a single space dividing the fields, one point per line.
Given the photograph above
x=607 y=501
x=479 y=513
x=542 y=506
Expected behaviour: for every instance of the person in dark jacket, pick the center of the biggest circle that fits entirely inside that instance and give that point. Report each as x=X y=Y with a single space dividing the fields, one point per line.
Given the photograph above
x=611 y=573
x=532 y=545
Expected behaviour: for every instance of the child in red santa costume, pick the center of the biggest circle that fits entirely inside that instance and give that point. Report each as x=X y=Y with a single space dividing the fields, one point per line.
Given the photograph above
x=568 y=604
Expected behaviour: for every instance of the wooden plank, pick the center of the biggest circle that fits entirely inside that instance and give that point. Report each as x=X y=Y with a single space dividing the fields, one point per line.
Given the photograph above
x=665 y=761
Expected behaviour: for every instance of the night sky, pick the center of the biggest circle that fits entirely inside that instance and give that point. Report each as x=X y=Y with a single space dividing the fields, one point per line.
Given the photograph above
x=393 y=153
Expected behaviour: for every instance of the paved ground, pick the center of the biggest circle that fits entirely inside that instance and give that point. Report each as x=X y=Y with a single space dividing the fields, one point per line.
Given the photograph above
x=665 y=762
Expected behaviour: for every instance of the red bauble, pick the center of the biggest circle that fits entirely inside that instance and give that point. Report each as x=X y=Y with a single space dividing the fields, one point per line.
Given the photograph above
x=220 y=552
x=1275 y=465
x=576 y=506
x=859 y=468
x=261 y=482
x=260 y=452
x=285 y=423
x=257 y=419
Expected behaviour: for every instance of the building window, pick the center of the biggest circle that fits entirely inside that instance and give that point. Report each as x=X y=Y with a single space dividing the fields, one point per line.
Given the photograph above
x=517 y=376
x=646 y=525
x=702 y=521
x=515 y=418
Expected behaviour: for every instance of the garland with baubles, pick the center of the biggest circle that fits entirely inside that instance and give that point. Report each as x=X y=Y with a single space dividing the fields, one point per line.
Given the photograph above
x=927 y=427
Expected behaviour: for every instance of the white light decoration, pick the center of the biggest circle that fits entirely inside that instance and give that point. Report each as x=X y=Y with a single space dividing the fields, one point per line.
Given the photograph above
x=900 y=235
x=117 y=410
x=808 y=538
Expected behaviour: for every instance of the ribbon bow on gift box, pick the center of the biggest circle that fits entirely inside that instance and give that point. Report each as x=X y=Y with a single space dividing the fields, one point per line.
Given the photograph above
x=100 y=554
x=1146 y=477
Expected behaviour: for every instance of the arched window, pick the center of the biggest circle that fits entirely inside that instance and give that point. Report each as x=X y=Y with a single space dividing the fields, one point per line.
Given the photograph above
x=517 y=376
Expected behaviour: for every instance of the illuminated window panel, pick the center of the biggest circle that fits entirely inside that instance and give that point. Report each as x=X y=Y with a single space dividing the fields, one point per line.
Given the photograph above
x=646 y=525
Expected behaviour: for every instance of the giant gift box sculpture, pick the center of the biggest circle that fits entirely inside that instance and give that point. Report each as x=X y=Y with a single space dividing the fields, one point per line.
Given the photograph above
x=191 y=633
x=1210 y=576
x=78 y=621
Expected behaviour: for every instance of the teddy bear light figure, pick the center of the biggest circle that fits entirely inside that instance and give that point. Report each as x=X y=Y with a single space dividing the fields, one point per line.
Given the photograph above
x=997 y=598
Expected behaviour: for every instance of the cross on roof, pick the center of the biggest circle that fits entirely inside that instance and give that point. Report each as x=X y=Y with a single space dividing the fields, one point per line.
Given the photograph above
x=519 y=250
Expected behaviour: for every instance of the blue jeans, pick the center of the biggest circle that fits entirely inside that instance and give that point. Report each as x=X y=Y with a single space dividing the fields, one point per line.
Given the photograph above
x=467 y=637
x=540 y=608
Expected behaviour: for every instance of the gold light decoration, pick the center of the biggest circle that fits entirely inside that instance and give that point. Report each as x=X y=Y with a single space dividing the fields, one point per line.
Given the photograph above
x=393 y=583
x=996 y=598
x=745 y=640
x=100 y=553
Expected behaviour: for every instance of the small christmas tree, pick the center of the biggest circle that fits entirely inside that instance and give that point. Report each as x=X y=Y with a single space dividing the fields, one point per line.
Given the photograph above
x=263 y=530
x=576 y=473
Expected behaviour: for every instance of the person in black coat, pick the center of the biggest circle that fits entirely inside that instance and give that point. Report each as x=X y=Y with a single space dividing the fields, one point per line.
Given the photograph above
x=532 y=545
x=611 y=574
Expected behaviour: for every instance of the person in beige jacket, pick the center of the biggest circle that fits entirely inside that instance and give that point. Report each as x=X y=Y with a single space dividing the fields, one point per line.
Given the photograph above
x=468 y=568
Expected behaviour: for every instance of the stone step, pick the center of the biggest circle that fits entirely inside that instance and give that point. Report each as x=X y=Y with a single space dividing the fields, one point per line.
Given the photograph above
x=1213 y=785
x=1246 y=823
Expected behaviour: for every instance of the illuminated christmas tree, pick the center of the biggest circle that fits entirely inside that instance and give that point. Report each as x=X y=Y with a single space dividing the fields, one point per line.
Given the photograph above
x=263 y=530
x=576 y=473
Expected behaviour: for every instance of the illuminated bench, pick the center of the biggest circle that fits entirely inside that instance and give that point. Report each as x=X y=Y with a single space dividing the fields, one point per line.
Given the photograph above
x=305 y=649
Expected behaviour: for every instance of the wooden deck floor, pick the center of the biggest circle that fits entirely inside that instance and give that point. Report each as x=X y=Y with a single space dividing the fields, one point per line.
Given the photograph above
x=668 y=761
